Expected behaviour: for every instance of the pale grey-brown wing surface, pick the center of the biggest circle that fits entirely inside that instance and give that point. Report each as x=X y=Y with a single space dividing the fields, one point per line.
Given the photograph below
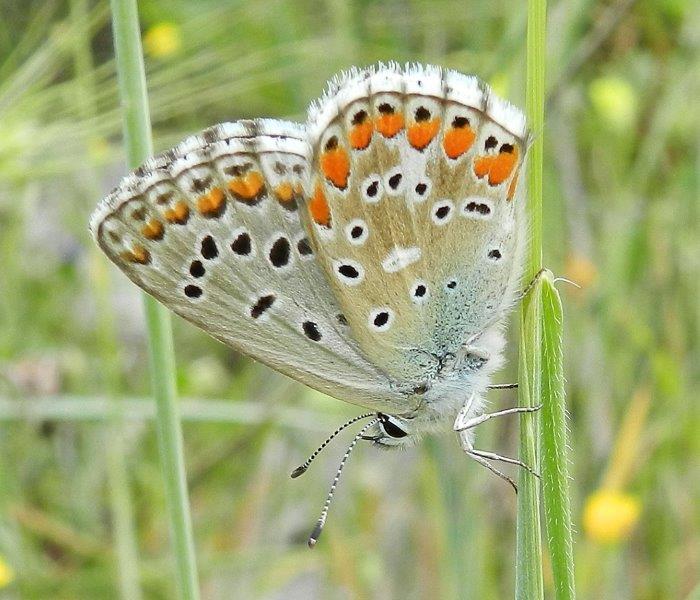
x=415 y=211
x=212 y=230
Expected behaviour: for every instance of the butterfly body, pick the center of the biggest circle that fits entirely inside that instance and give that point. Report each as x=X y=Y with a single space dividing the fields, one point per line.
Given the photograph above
x=372 y=254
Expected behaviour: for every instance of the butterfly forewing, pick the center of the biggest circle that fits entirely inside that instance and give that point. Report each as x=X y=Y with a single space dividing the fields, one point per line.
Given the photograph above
x=212 y=229
x=414 y=210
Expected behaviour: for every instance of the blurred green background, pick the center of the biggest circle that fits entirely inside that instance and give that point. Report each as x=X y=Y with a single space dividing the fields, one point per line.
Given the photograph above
x=79 y=466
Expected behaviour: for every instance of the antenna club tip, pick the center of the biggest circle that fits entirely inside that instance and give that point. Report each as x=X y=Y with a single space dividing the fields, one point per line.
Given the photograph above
x=315 y=534
x=298 y=471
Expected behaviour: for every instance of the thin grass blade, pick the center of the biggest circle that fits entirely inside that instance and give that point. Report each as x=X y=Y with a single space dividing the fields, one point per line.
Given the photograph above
x=139 y=146
x=555 y=472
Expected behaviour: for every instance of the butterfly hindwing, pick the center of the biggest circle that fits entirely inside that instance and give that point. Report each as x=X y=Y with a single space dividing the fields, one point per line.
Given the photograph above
x=212 y=229
x=415 y=212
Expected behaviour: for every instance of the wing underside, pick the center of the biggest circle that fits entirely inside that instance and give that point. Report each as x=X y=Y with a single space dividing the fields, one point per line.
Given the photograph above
x=212 y=230
x=415 y=210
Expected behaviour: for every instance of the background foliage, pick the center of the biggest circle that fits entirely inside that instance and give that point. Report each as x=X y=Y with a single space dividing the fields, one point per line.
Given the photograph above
x=79 y=464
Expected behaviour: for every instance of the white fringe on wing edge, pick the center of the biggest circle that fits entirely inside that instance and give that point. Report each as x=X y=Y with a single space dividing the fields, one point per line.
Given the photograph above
x=413 y=78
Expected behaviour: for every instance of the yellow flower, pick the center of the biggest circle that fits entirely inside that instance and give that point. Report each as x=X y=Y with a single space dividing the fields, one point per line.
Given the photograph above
x=162 y=40
x=609 y=516
x=7 y=574
x=615 y=100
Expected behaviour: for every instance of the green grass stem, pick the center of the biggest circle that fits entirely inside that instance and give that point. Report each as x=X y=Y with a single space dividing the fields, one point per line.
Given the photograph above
x=528 y=566
x=139 y=146
x=541 y=371
x=534 y=107
x=528 y=569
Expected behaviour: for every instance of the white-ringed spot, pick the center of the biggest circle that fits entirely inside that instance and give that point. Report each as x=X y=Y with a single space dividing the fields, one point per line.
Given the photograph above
x=279 y=251
x=399 y=258
x=209 y=249
x=193 y=291
x=258 y=310
x=421 y=190
x=311 y=331
x=381 y=319
x=242 y=244
x=477 y=207
x=349 y=271
x=441 y=213
x=419 y=292
x=197 y=269
x=372 y=189
x=394 y=181
x=306 y=252
x=356 y=232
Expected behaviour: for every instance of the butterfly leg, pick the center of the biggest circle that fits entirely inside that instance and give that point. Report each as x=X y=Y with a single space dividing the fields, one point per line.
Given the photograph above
x=502 y=386
x=530 y=285
x=505 y=459
x=462 y=423
x=475 y=455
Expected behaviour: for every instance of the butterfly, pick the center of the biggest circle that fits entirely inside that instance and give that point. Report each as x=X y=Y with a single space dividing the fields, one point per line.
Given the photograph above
x=372 y=254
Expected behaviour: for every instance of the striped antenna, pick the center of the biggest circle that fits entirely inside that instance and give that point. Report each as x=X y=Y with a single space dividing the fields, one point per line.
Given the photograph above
x=316 y=533
x=300 y=470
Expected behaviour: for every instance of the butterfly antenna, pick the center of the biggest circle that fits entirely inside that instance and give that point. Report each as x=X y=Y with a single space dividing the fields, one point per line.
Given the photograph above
x=301 y=469
x=316 y=533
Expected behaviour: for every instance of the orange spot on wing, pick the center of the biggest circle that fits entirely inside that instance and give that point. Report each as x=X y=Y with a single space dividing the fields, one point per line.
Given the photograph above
x=361 y=134
x=320 y=211
x=138 y=254
x=420 y=134
x=153 y=230
x=498 y=167
x=512 y=186
x=284 y=192
x=248 y=187
x=389 y=124
x=287 y=194
x=335 y=164
x=179 y=213
x=212 y=204
x=458 y=140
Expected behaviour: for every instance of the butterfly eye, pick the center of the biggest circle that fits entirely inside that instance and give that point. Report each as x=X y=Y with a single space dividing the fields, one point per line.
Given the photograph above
x=391 y=427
